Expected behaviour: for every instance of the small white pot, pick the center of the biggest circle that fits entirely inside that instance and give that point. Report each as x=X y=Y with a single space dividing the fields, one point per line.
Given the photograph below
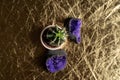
x=45 y=44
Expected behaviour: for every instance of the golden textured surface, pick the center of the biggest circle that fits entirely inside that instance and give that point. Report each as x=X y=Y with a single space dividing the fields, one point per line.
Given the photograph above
x=97 y=57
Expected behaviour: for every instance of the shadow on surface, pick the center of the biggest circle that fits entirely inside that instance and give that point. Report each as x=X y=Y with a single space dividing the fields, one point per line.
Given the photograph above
x=40 y=57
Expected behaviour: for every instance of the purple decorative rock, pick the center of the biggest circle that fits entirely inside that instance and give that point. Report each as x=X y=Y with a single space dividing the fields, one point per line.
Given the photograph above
x=74 y=29
x=56 y=60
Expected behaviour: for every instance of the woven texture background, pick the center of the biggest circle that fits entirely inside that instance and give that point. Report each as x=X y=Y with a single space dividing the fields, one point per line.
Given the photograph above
x=97 y=57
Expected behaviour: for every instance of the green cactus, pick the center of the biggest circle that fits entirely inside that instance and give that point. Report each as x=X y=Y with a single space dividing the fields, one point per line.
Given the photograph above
x=56 y=36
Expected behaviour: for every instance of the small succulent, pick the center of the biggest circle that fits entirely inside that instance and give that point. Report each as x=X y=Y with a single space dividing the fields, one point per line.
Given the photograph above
x=56 y=36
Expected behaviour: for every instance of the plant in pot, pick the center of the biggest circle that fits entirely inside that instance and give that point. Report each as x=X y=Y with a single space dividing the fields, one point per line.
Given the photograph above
x=53 y=37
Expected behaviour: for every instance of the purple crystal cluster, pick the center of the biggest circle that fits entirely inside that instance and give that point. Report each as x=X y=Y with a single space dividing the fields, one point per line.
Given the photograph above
x=74 y=29
x=56 y=63
x=56 y=60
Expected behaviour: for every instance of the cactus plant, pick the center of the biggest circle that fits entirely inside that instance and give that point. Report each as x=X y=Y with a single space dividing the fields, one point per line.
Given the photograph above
x=53 y=37
x=56 y=36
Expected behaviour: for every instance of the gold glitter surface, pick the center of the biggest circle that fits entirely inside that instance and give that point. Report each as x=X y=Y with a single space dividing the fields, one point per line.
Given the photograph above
x=97 y=57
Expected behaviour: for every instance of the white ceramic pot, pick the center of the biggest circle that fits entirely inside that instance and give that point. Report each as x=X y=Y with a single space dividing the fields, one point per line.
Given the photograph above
x=45 y=44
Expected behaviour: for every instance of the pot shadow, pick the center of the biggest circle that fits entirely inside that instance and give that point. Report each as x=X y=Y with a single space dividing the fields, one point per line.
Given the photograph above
x=40 y=56
x=66 y=23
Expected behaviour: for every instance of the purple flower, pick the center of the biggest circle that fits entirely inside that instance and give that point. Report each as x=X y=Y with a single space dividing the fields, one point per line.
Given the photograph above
x=56 y=62
x=74 y=29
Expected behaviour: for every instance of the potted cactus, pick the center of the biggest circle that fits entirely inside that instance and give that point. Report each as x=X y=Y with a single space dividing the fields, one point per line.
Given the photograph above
x=53 y=37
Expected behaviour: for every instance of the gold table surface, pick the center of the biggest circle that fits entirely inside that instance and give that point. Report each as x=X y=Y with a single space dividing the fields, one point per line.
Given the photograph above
x=97 y=57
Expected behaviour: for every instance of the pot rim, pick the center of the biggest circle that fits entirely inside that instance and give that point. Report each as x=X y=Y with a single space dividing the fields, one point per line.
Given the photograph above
x=47 y=46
